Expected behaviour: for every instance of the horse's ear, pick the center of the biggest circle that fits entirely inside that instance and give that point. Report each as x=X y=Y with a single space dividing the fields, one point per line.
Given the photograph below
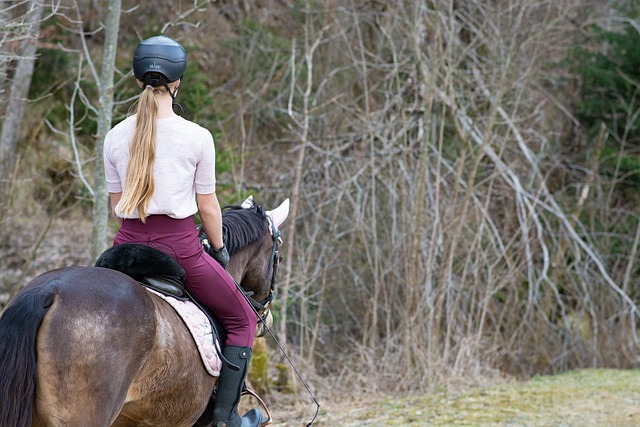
x=280 y=213
x=248 y=203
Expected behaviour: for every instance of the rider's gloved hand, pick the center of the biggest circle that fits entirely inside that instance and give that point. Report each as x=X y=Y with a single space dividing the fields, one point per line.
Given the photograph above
x=221 y=255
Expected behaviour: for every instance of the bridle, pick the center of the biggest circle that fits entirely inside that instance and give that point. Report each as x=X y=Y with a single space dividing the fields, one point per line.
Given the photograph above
x=262 y=306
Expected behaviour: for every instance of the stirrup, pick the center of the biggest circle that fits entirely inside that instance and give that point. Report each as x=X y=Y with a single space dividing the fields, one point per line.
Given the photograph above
x=269 y=420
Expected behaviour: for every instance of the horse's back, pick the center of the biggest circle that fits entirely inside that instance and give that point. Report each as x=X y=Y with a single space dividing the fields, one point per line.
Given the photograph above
x=95 y=338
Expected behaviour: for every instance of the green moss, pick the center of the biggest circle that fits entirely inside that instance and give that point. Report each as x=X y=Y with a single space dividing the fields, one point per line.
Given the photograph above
x=258 y=369
x=283 y=382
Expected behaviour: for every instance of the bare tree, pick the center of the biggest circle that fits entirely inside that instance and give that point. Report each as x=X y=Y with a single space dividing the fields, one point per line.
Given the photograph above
x=301 y=122
x=105 y=102
x=423 y=149
x=19 y=89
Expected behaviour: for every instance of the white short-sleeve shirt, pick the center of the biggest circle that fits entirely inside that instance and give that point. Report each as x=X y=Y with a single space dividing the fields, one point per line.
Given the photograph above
x=184 y=165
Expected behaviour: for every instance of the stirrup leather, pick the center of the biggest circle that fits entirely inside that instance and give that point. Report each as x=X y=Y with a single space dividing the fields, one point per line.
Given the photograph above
x=269 y=420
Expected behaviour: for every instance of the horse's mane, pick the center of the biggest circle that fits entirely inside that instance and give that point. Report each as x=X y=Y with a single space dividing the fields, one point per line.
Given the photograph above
x=242 y=226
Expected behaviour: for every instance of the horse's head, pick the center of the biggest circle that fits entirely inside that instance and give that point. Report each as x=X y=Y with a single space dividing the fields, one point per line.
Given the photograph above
x=252 y=238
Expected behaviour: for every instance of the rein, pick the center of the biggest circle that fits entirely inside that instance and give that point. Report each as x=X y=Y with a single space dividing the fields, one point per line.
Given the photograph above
x=262 y=308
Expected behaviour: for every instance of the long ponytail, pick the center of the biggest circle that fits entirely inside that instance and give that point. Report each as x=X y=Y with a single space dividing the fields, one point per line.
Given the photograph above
x=139 y=184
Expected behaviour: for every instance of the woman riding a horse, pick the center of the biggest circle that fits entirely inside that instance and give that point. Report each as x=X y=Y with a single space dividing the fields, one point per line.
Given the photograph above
x=160 y=172
x=90 y=346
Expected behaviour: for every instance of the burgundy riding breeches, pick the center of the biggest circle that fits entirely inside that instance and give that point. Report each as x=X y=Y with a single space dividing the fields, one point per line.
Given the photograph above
x=206 y=279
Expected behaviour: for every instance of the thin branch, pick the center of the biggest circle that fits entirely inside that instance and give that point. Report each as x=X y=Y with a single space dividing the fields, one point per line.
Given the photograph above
x=85 y=48
x=72 y=134
x=184 y=15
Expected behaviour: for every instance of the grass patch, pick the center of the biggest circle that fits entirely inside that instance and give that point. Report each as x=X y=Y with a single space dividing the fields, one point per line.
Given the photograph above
x=585 y=398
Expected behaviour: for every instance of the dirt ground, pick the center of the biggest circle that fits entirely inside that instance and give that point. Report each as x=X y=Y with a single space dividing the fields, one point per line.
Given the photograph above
x=28 y=248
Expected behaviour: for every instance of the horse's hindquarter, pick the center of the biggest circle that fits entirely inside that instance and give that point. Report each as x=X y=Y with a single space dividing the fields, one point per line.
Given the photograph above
x=173 y=387
x=100 y=352
x=91 y=344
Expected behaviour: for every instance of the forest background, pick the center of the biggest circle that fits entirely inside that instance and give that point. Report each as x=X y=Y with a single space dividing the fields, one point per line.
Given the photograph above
x=463 y=174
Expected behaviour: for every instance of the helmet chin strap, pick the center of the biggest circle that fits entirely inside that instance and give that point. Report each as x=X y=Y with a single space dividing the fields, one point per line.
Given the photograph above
x=174 y=104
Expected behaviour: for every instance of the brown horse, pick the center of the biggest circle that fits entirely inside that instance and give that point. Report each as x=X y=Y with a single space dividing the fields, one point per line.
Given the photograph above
x=90 y=346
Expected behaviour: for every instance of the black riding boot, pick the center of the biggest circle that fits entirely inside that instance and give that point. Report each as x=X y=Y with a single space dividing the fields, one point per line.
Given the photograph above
x=225 y=412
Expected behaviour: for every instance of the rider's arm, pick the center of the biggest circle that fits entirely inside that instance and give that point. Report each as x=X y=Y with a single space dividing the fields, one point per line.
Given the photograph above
x=211 y=218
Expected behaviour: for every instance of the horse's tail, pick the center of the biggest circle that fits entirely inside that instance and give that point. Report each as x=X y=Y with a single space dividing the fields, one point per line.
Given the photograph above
x=19 y=325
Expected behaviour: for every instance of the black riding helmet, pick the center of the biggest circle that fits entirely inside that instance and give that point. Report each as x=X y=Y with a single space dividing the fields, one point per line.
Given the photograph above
x=158 y=61
x=161 y=55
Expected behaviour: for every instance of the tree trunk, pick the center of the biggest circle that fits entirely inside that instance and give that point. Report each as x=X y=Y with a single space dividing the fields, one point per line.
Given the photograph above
x=19 y=91
x=100 y=197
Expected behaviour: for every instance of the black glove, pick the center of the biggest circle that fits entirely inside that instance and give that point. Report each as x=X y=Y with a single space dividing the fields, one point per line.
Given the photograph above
x=221 y=255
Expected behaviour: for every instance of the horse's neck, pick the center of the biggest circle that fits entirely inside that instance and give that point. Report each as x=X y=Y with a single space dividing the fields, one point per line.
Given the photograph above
x=235 y=269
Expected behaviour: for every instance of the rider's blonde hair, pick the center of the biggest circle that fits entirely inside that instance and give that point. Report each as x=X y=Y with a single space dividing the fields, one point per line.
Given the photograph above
x=139 y=185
